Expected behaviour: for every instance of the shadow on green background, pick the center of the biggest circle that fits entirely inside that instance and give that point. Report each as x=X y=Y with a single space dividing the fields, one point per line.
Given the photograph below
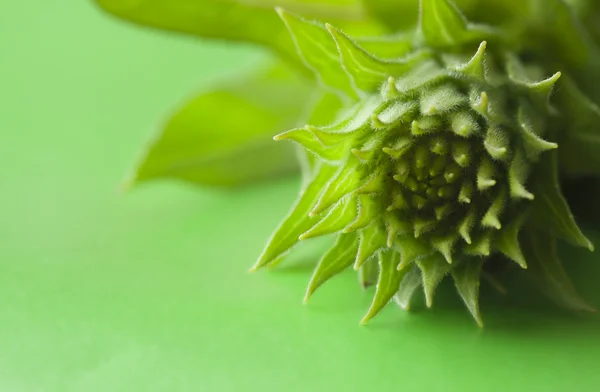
x=148 y=291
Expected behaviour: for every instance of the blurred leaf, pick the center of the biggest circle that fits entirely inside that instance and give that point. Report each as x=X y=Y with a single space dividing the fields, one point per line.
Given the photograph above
x=547 y=271
x=579 y=145
x=396 y=15
x=224 y=136
x=325 y=109
x=583 y=194
x=239 y=20
x=404 y=14
x=550 y=209
x=571 y=41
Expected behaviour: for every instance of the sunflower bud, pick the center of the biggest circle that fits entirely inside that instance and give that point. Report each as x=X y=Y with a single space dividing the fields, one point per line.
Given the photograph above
x=439 y=166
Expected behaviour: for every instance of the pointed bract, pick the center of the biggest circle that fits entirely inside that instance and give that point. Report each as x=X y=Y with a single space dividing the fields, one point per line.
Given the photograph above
x=466 y=279
x=445 y=245
x=346 y=180
x=368 y=211
x=310 y=141
x=466 y=225
x=366 y=70
x=464 y=124
x=533 y=144
x=497 y=143
x=481 y=104
x=475 y=68
x=372 y=239
x=387 y=284
x=480 y=246
x=466 y=192
x=542 y=90
x=298 y=220
x=338 y=217
x=492 y=215
x=485 y=175
x=411 y=250
x=517 y=176
x=337 y=259
x=508 y=241
x=433 y=269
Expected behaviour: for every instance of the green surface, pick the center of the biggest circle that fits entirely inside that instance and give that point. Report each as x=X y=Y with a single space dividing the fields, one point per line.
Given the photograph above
x=148 y=291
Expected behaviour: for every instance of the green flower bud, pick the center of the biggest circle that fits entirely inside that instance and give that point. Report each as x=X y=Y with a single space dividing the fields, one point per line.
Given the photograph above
x=444 y=162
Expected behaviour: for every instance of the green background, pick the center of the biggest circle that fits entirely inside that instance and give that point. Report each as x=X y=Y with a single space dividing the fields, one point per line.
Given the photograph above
x=148 y=291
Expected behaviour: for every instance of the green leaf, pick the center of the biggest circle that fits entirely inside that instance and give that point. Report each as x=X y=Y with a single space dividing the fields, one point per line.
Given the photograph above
x=239 y=20
x=466 y=279
x=443 y=25
x=224 y=136
x=364 y=69
x=337 y=259
x=387 y=284
x=298 y=220
x=546 y=269
x=319 y=52
x=550 y=209
x=580 y=144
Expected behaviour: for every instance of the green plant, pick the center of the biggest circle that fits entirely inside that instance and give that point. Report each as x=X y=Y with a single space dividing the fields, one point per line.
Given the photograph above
x=435 y=146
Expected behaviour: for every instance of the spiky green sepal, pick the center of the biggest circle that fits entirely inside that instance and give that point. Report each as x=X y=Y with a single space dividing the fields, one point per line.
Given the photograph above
x=444 y=162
